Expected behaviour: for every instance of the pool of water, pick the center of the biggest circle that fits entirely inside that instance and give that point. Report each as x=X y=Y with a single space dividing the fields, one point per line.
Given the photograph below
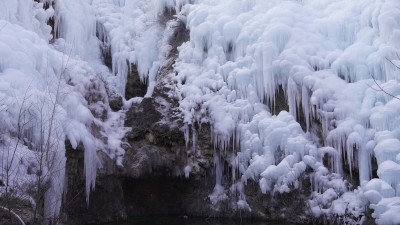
x=193 y=221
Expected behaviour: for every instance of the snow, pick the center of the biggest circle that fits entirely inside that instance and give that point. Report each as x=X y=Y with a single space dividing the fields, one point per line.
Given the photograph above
x=328 y=57
x=331 y=59
x=388 y=171
x=44 y=98
x=387 y=149
x=134 y=35
x=387 y=211
x=28 y=14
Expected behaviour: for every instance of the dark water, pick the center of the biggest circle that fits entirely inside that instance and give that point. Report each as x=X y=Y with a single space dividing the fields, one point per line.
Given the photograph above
x=193 y=221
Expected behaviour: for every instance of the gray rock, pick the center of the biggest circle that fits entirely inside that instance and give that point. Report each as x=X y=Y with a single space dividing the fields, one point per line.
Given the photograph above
x=106 y=202
x=115 y=102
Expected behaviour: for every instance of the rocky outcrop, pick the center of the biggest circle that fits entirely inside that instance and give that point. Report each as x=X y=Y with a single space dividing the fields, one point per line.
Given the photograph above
x=116 y=102
x=152 y=179
x=105 y=201
x=156 y=147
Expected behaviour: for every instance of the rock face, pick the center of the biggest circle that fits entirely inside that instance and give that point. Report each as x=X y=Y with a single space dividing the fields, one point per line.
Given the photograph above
x=152 y=179
x=156 y=147
x=106 y=202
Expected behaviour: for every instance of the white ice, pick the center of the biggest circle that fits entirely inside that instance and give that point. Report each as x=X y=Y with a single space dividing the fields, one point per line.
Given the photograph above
x=334 y=61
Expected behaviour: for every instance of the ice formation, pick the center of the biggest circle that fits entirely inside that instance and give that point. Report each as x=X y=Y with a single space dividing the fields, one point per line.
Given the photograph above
x=46 y=96
x=333 y=61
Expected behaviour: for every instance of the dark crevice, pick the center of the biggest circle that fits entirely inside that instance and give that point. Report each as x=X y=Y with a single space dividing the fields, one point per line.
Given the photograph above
x=228 y=49
x=51 y=22
x=280 y=103
x=161 y=196
x=134 y=86
x=351 y=172
x=105 y=46
x=106 y=55
x=180 y=35
x=374 y=167
x=301 y=118
x=167 y=15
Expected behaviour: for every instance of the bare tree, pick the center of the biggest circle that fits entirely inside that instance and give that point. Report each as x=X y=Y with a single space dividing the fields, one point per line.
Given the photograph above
x=10 y=150
x=36 y=127
x=48 y=145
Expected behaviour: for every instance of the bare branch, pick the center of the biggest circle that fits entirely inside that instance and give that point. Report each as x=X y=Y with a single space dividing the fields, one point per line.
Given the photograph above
x=392 y=63
x=375 y=89
x=381 y=89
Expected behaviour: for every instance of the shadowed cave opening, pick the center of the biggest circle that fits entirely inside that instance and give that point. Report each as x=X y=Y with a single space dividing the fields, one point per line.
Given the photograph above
x=163 y=196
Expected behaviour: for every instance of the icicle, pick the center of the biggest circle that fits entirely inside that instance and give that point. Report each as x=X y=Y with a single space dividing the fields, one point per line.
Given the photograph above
x=187 y=171
x=354 y=142
x=293 y=97
x=90 y=166
x=364 y=162
x=218 y=193
x=269 y=53
x=52 y=198
x=120 y=69
x=194 y=140
x=218 y=170
x=75 y=22
x=186 y=133
x=161 y=5
x=306 y=106
x=120 y=3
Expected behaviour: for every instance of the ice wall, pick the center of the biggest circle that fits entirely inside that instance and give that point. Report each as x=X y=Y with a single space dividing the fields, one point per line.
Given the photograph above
x=133 y=31
x=67 y=76
x=43 y=101
x=28 y=14
x=331 y=58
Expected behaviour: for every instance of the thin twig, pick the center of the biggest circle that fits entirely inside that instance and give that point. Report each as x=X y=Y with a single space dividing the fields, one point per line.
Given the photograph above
x=392 y=63
x=14 y=214
x=381 y=89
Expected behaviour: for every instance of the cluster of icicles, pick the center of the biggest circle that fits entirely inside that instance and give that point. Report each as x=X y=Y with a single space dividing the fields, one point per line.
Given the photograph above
x=330 y=59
